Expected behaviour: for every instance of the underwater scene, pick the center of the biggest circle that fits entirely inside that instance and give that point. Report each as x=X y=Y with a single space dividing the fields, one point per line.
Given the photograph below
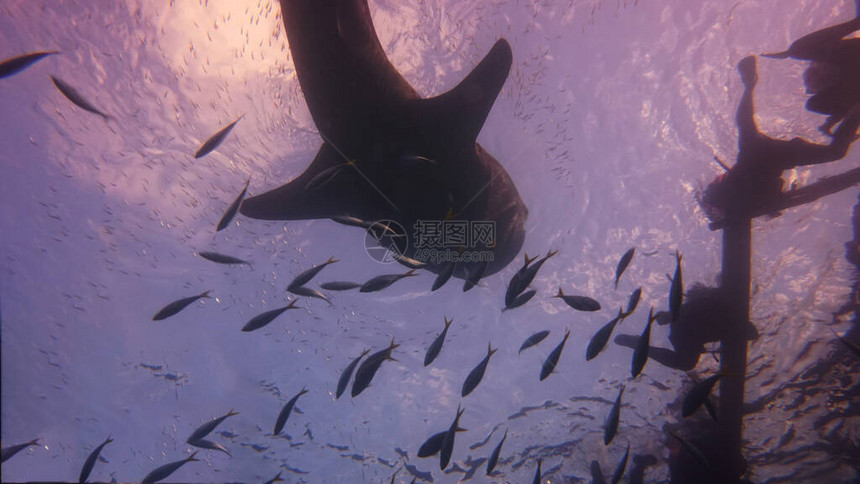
x=415 y=241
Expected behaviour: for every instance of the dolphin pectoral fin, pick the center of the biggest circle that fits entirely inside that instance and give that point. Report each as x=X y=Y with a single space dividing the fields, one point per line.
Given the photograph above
x=466 y=106
x=294 y=201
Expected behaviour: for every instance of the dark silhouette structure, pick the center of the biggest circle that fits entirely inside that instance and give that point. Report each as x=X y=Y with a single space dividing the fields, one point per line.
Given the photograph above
x=834 y=76
x=414 y=159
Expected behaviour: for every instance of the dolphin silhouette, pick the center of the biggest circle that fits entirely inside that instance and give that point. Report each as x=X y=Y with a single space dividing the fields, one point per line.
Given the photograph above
x=414 y=159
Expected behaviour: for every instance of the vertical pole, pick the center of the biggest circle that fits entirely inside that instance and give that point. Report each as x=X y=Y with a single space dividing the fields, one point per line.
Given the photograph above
x=737 y=252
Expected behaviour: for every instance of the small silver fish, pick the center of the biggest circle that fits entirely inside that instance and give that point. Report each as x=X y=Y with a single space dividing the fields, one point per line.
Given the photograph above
x=14 y=65
x=91 y=461
x=233 y=208
x=475 y=275
x=633 y=301
x=640 y=353
x=309 y=292
x=208 y=427
x=448 y=441
x=443 y=276
x=339 y=285
x=552 y=359
x=477 y=373
x=7 y=452
x=285 y=412
x=347 y=373
x=623 y=263
x=222 y=259
x=611 y=426
x=601 y=337
x=580 y=303
x=494 y=456
x=216 y=139
x=379 y=283
x=533 y=340
x=179 y=305
x=75 y=97
x=536 y=480
x=622 y=466
x=208 y=444
x=164 y=471
x=436 y=345
x=368 y=369
x=521 y=299
x=267 y=317
x=306 y=276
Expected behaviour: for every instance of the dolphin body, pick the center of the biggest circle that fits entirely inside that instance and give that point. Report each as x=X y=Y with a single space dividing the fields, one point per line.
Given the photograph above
x=367 y=112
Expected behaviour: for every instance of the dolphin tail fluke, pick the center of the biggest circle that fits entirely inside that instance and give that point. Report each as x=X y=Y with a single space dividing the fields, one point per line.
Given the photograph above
x=467 y=105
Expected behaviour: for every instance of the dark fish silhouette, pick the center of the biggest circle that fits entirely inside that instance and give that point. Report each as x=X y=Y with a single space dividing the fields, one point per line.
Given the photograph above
x=536 y=480
x=622 y=466
x=267 y=317
x=633 y=301
x=366 y=111
x=445 y=273
x=526 y=276
x=433 y=445
x=306 y=276
x=368 y=369
x=436 y=345
x=552 y=359
x=515 y=286
x=580 y=303
x=343 y=381
x=215 y=140
x=699 y=394
x=91 y=461
x=285 y=412
x=601 y=337
x=166 y=470
x=208 y=427
x=521 y=299
x=494 y=456
x=75 y=97
x=232 y=209
x=8 y=452
x=533 y=340
x=611 y=426
x=448 y=440
x=623 y=263
x=477 y=373
x=339 y=285
x=308 y=292
x=14 y=65
x=210 y=445
x=676 y=293
x=275 y=479
x=379 y=283
x=597 y=473
x=475 y=275
x=176 y=306
x=221 y=258
x=640 y=353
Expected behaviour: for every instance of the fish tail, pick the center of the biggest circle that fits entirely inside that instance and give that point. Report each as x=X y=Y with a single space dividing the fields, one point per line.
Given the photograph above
x=331 y=260
x=191 y=458
x=410 y=273
x=33 y=442
x=206 y=294
x=529 y=260
x=551 y=253
x=292 y=304
x=560 y=293
x=449 y=321
x=232 y=412
x=490 y=350
x=777 y=55
x=304 y=390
